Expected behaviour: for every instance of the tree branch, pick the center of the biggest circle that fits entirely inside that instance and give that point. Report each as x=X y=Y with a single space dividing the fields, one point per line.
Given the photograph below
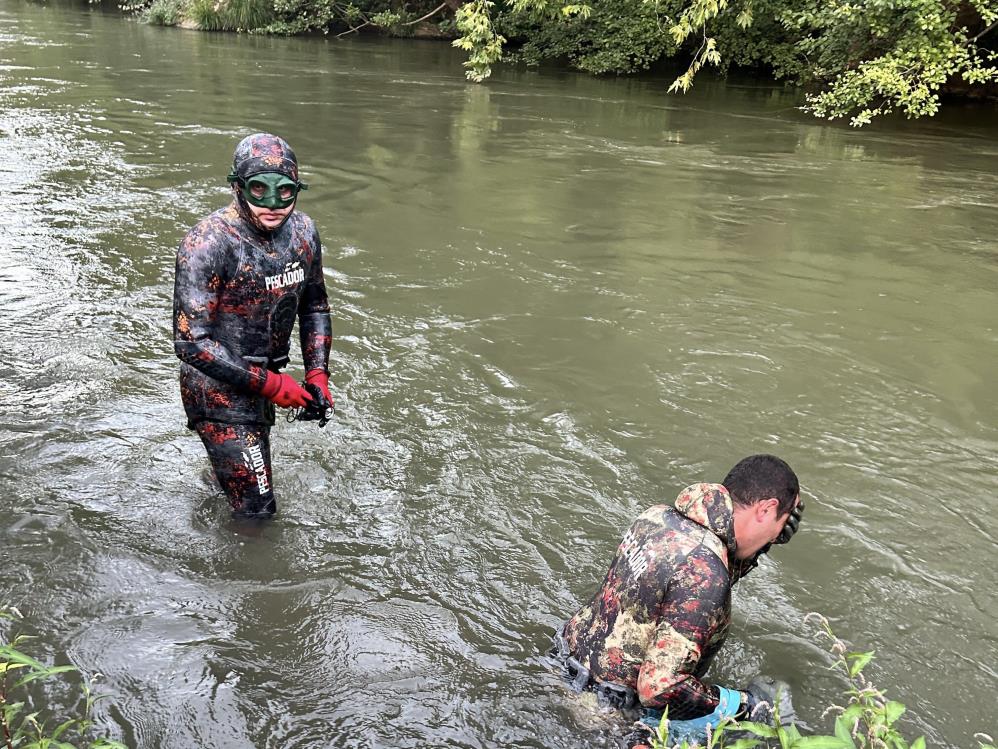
x=353 y=29
x=432 y=12
x=987 y=30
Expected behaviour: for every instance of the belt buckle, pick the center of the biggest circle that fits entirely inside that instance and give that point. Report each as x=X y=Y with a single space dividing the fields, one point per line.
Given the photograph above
x=578 y=672
x=616 y=695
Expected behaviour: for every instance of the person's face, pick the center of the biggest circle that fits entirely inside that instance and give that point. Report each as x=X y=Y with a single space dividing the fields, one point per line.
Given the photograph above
x=761 y=523
x=270 y=196
x=270 y=190
x=269 y=218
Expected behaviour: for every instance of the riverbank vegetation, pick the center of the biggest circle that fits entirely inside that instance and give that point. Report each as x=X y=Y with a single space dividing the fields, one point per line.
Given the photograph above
x=21 y=723
x=855 y=59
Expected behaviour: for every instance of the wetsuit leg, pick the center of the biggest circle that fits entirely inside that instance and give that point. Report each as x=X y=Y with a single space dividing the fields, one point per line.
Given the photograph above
x=240 y=457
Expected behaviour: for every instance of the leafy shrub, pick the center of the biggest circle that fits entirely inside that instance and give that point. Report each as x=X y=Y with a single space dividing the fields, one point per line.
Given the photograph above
x=621 y=36
x=247 y=15
x=204 y=14
x=872 y=56
x=24 y=730
x=165 y=12
x=231 y=15
x=299 y=16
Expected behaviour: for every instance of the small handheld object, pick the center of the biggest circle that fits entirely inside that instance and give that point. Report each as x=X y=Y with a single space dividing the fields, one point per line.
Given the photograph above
x=318 y=409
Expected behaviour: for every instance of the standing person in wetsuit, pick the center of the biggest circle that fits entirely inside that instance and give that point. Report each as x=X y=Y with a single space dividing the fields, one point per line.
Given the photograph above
x=244 y=274
x=648 y=636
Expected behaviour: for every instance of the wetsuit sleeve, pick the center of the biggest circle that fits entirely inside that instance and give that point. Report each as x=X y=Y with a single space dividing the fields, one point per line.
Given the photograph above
x=691 y=613
x=200 y=275
x=314 y=326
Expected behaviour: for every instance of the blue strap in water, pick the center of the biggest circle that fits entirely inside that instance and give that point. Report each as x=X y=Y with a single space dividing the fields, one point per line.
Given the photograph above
x=695 y=729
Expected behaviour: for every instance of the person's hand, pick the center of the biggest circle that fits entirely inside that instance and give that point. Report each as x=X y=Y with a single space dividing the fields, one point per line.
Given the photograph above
x=283 y=391
x=766 y=698
x=642 y=737
x=320 y=378
x=793 y=523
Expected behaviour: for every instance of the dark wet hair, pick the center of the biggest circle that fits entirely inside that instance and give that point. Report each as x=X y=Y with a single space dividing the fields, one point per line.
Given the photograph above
x=761 y=477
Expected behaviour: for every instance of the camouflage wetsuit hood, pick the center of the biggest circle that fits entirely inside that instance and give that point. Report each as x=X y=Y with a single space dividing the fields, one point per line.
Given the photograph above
x=238 y=290
x=664 y=608
x=264 y=152
x=257 y=154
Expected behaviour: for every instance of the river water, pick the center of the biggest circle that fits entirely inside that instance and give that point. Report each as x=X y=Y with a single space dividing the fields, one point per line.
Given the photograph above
x=557 y=300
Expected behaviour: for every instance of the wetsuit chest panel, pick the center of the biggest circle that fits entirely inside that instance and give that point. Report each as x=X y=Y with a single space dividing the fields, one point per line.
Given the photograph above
x=237 y=297
x=261 y=297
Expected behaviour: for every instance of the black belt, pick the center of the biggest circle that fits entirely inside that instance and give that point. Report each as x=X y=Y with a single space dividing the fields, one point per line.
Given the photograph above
x=274 y=364
x=608 y=694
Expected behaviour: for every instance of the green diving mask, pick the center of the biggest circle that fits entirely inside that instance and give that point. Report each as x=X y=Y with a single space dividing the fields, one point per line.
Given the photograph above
x=268 y=189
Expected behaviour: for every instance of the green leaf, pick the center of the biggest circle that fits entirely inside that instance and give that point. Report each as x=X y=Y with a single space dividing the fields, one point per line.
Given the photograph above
x=858 y=661
x=918 y=743
x=759 y=729
x=843 y=730
x=745 y=743
x=852 y=714
x=897 y=741
x=11 y=709
x=782 y=737
x=823 y=742
x=43 y=674
x=61 y=729
x=893 y=710
x=18 y=657
x=793 y=735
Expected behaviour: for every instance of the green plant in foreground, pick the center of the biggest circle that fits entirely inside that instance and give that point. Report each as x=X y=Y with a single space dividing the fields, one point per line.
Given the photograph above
x=866 y=721
x=23 y=730
x=868 y=718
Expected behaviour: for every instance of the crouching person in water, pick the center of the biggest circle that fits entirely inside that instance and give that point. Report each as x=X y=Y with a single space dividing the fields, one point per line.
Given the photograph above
x=244 y=274
x=646 y=639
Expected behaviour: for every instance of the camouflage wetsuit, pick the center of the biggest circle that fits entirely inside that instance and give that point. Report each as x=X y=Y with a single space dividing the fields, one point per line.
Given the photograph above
x=238 y=291
x=665 y=606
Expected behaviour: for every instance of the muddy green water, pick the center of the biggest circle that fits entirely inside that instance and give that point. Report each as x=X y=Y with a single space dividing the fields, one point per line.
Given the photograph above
x=557 y=300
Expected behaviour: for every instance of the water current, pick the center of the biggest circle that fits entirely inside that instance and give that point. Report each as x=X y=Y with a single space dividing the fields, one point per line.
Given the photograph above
x=557 y=300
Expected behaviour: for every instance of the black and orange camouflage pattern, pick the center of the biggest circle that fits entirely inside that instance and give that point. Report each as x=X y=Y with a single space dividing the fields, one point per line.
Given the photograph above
x=664 y=608
x=264 y=152
x=240 y=461
x=238 y=291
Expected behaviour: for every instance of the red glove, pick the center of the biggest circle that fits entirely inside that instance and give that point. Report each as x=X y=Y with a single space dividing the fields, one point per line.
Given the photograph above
x=320 y=378
x=284 y=391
